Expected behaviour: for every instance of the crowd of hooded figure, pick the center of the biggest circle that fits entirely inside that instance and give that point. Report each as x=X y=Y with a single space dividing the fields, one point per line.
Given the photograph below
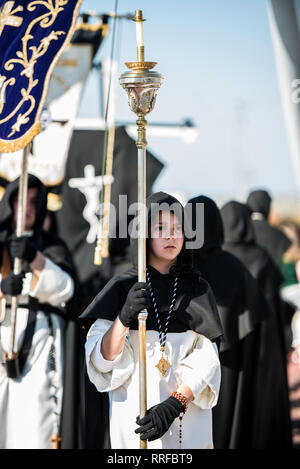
x=222 y=319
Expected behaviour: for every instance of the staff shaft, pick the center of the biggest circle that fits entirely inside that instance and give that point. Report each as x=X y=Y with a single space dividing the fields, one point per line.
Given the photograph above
x=142 y=233
x=21 y=215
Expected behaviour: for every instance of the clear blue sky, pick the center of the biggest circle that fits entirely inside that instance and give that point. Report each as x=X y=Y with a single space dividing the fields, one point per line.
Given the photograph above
x=217 y=60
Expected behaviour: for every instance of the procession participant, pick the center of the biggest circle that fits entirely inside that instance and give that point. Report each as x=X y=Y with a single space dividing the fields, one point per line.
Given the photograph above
x=183 y=369
x=31 y=401
x=272 y=427
x=242 y=307
x=273 y=240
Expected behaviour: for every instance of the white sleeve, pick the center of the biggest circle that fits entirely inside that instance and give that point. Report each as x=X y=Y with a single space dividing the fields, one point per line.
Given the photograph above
x=54 y=285
x=106 y=375
x=201 y=372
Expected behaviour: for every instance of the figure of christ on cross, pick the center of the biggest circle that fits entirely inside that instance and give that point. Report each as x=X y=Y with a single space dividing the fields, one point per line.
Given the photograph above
x=91 y=186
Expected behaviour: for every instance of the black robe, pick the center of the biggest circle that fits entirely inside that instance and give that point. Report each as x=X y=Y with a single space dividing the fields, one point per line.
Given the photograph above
x=194 y=309
x=242 y=307
x=272 y=426
x=275 y=242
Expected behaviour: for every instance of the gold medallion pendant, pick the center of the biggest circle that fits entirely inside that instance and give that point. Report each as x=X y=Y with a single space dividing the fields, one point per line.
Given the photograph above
x=163 y=365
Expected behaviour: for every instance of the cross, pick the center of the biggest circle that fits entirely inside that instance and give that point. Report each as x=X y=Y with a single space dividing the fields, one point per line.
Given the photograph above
x=7 y=17
x=90 y=186
x=55 y=439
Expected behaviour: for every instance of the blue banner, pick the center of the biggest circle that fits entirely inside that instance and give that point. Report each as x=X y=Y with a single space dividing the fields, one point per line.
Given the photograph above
x=33 y=35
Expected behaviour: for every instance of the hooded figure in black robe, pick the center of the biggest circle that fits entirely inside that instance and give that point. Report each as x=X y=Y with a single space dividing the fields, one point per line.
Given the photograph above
x=272 y=427
x=273 y=240
x=51 y=300
x=242 y=307
x=194 y=310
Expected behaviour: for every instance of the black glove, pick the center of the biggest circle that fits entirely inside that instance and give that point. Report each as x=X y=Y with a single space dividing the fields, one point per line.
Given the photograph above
x=22 y=248
x=12 y=284
x=159 y=418
x=138 y=298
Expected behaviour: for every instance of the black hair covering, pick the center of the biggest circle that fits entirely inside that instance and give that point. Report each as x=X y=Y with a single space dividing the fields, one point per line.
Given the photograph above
x=6 y=204
x=195 y=308
x=212 y=225
x=259 y=201
x=161 y=201
x=237 y=224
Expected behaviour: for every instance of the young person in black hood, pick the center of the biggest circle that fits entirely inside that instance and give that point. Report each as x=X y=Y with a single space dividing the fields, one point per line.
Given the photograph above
x=31 y=397
x=182 y=326
x=272 y=426
x=242 y=307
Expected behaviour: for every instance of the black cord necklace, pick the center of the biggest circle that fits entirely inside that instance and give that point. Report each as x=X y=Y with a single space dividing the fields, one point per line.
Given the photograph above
x=163 y=365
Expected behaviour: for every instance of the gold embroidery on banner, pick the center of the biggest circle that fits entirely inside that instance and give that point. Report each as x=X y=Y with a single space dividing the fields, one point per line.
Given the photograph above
x=9 y=147
x=3 y=86
x=7 y=17
x=46 y=21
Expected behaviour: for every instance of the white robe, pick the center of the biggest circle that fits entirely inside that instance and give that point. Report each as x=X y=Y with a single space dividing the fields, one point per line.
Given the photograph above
x=194 y=361
x=27 y=408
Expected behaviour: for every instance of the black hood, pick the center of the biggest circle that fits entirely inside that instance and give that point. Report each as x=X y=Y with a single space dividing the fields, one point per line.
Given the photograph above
x=259 y=201
x=212 y=224
x=237 y=224
x=156 y=203
x=6 y=204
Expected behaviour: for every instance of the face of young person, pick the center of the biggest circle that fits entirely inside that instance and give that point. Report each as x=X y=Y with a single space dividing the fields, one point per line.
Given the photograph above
x=32 y=196
x=166 y=237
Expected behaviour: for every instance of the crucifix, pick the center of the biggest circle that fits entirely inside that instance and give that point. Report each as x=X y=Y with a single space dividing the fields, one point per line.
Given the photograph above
x=7 y=17
x=55 y=439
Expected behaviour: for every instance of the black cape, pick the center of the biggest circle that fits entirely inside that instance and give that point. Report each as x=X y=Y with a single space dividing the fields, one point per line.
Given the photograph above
x=272 y=427
x=56 y=250
x=195 y=307
x=273 y=240
x=242 y=306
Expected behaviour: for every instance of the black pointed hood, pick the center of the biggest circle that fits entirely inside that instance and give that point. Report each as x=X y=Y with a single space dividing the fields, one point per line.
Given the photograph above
x=212 y=224
x=237 y=224
x=259 y=201
x=6 y=204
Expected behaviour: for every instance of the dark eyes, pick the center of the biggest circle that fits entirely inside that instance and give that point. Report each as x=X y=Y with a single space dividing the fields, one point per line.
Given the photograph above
x=160 y=228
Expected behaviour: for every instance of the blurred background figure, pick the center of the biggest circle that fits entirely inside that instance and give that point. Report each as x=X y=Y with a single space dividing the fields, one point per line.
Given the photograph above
x=273 y=240
x=272 y=420
x=242 y=308
x=32 y=392
x=290 y=288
